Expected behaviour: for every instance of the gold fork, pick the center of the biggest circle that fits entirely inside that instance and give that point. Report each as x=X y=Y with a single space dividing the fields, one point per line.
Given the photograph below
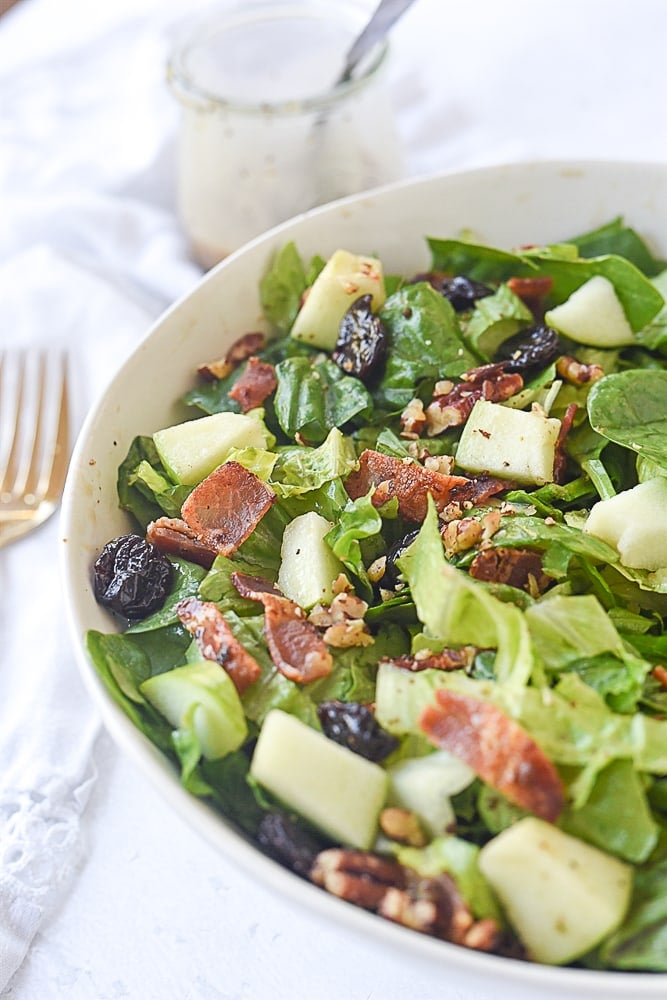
x=34 y=439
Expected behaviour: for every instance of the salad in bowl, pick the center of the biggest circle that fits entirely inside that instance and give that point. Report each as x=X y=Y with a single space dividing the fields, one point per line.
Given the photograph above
x=390 y=596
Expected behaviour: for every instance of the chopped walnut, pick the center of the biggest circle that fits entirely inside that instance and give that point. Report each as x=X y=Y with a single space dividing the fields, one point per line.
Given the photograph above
x=341 y=585
x=575 y=372
x=377 y=569
x=443 y=387
x=343 y=607
x=413 y=420
x=459 y=536
x=490 y=525
x=452 y=512
x=440 y=463
x=403 y=826
x=349 y=633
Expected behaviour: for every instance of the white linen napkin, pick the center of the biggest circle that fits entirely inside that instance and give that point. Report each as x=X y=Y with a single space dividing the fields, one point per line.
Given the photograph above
x=48 y=723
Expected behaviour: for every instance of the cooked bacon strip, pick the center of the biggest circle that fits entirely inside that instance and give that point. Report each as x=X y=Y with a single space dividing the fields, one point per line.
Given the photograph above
x=446 y=659
x=520 y=568
x=560 y=458
x=500 y=752
x=174 y=537
x=227 y=507
x=296 y=647
x=489 y=382
x=241 y=349
x=479 y=489
x=256 y=383
x=216 y=641
x=409 y=482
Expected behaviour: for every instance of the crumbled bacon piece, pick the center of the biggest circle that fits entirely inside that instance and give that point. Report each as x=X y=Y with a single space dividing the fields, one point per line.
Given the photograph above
x=490 y=382
x=241 y=349
x=660 y=674
x=520 y=568
x=174 y=537
x=446 y=659
x=216 y=641
x=226 y=507
x=478 y=490
x=296 y=647
x=500 y=752
x=409 y=482
x=256 y=383
x=560 y=458
x=576 y=372
x=532 y=291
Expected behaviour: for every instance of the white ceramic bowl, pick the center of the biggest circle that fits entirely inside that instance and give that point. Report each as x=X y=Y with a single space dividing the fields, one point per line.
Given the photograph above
x=507 y=206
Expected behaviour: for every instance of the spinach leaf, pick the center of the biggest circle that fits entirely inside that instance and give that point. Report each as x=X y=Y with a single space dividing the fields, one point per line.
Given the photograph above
x=311 y=399
x=630 y=408
x=476 y=261
x=615 y=237
x=282 y=286
x=424 y=342
x=641 y=941
x=186 y=581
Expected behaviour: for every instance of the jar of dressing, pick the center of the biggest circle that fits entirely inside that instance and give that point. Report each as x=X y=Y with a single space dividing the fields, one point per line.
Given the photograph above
x=267 y=132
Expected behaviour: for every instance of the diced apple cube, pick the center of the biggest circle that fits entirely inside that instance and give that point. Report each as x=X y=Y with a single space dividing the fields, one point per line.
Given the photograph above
x=191 y=450
x=593 y=315
x=308 y=567
x=562 y=896
x=343 y=279
x=336 y=790
x=634 y=523
x=519 y=445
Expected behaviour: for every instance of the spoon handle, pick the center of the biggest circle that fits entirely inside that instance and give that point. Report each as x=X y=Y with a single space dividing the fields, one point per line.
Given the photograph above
x=382 y=21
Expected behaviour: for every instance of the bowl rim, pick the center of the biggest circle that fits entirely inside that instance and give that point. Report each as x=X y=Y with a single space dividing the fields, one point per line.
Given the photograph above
x=213 y=825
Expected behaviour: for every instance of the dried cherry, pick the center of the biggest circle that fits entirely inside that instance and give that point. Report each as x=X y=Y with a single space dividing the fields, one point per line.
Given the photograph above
x=131 y=577
x=354 y=726
x=362 y=340
x=460 y=290
x=394 y=552
x=534 y=347
x=284 y=839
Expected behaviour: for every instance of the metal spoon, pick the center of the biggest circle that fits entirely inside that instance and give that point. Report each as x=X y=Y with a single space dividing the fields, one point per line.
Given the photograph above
x=385 y=16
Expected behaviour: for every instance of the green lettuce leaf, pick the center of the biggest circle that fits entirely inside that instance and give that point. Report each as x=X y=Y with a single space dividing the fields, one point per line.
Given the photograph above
x=495 y=318
x=282 y=287
x=457 y=858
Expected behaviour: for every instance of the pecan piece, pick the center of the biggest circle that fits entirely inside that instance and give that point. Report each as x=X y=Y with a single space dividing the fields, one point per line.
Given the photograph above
x=430 y=905
x=576 y=372
x=296 y=647
x=521 y=568
x=446 y=659
x=413 y=420
x=226 y=507
x=490 y=382
x=357 y=876
x=403 y=826
x=500 y=752
x=256 y=383
x=241 y=349
x=216 y=641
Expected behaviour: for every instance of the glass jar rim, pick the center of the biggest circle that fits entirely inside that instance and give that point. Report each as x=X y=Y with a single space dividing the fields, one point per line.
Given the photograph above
x=186 y=88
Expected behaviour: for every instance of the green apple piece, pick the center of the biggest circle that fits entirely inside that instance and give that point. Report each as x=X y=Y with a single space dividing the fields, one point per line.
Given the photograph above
x=206 y=692
x=593 y=315
x=336 y=790
x=424 y=785
x=634 y=523
x=343 y=279
x=192 y=450
x=562 y=896
x=511 y=444
x=308 y=567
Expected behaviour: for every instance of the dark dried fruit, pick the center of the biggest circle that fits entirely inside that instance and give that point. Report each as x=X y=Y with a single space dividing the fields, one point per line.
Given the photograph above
x=284 y=839
x=535 y=347
x=354 y=726
x=394 y=552
x=362 y=340
x=131 y=577
x=462 y=292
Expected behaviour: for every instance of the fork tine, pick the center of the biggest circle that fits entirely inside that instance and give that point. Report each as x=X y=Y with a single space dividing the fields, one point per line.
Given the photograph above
x=34 y=397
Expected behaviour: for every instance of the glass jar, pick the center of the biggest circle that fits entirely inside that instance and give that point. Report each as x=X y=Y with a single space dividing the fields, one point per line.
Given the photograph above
x=267 y=132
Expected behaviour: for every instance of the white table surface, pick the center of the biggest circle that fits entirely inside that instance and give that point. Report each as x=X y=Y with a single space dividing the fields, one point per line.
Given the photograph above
x=152 y=912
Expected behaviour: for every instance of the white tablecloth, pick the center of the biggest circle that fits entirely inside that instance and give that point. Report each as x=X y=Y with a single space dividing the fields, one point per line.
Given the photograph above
x=132 y=903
